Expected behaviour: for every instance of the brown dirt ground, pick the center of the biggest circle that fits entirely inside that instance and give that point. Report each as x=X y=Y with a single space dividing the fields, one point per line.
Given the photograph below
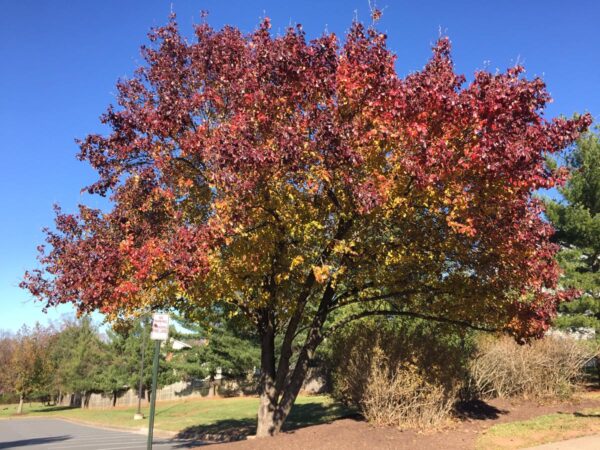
x=462 y=434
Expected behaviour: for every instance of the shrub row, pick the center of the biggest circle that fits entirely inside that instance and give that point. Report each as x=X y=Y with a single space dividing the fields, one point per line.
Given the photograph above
x=549 y=367
x=411 y=374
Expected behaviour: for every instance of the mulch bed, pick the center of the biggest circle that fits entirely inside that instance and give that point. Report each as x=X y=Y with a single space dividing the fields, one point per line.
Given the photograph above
x=474 y=418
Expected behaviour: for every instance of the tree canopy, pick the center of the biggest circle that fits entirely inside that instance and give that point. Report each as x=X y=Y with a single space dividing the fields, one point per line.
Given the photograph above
x=289 y=180
x=80 y=359
x=25 y=368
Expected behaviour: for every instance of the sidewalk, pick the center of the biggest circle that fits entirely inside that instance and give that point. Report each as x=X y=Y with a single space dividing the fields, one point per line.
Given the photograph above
x=581 y=443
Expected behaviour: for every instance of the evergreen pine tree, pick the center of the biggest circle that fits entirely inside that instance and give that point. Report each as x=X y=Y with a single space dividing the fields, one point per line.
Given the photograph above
x=225 y=346
x=577 y=221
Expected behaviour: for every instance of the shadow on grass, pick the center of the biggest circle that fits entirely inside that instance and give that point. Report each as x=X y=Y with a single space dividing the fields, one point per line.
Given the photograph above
x=579 y=414
x=53 y=408
x=477 y=410
x=302 y=415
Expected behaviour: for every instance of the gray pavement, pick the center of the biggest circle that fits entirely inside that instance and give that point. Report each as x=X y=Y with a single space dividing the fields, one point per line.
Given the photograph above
x=56 y=434
x=581 y=443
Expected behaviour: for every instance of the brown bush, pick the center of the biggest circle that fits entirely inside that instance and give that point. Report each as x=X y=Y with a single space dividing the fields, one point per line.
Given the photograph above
x=407 y=376
x=401 y=396
x=550 y=367
x=352 y=359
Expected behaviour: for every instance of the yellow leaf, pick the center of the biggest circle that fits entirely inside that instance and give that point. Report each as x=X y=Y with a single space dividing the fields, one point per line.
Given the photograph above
x=296 y=262
x=321 y=273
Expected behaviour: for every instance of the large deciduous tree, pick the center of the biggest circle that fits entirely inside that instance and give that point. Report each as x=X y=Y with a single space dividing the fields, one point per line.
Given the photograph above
x=27 y=366
x=290 y=180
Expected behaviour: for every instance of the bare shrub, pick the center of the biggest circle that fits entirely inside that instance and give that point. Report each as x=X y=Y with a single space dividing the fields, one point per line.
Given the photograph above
x=549 y=367
x=400 y=374
x=352 y=358
x=401 y=396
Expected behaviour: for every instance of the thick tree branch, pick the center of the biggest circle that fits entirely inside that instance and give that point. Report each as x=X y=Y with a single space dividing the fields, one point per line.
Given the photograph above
x=389 y=313
x=286 y=348
x=314 y=338
x=395 y=294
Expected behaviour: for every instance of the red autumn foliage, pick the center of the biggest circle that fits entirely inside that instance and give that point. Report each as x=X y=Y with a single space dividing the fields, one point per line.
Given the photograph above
x=224 y=151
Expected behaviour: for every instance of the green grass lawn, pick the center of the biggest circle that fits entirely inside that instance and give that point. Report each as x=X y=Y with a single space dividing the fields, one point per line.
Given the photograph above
x=540 y=430
x=195 y=417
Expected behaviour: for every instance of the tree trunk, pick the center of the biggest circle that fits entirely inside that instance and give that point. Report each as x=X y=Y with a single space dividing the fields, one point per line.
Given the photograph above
x=266 y=424
x=276 y=404
x=267 y=408
x=277 y=398
x=20 y=407
x=83 y=400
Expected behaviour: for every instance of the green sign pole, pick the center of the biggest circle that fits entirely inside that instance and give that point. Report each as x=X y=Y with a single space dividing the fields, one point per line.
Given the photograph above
x=153 y=397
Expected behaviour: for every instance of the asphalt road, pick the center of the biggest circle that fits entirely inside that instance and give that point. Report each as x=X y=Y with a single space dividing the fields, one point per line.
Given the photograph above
x=56 y=434
x=581 y=443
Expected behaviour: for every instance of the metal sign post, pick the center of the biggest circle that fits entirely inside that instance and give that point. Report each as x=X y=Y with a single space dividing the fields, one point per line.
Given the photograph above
x=138 y=415
x=160 y=332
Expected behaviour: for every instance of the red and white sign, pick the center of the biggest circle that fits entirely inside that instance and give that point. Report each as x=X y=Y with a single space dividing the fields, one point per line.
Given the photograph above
x=160 y=327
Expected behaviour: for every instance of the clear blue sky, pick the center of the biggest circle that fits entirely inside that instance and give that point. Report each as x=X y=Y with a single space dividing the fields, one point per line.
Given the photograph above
x=59 y=61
